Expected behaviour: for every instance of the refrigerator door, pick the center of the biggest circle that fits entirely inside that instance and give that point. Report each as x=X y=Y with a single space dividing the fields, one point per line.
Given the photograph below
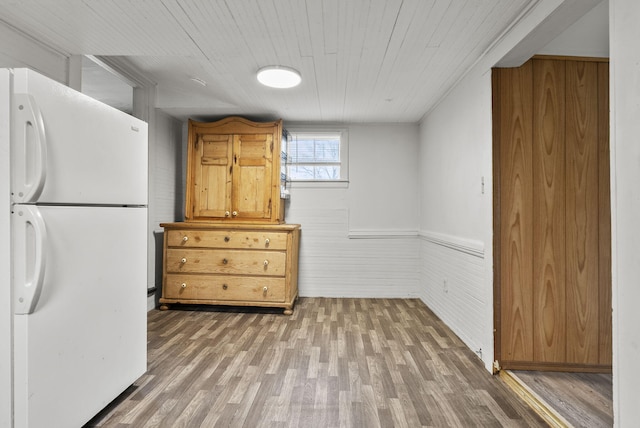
x=68 y=148
x=85 y=340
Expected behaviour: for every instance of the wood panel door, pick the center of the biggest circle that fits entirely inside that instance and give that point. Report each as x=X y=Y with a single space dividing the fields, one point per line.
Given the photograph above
x=253 y=175
x=212 y=176
x=552 y=215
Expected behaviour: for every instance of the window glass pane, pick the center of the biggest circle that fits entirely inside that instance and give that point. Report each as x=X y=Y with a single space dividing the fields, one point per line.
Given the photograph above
x=327 y=172
x=303 y=151
x=327 y=150
x=314 y=172
x=313 y=156
x=311 y=150
x=300 y=172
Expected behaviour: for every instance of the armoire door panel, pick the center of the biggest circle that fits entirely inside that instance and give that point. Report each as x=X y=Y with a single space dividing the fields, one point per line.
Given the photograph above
x=549 y=304
x=582 y=207
x=213 y=171
x=253 y=163
x=516 y=191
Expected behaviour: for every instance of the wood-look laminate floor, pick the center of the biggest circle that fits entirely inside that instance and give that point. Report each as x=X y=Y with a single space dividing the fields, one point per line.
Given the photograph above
x=584 y=400
x=333 y=363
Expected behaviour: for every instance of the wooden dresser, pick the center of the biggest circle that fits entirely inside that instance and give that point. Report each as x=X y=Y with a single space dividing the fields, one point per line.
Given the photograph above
x=233 y=248
x=248 y=265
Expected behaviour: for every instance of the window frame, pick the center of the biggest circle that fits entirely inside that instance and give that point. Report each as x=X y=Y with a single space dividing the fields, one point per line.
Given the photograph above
x=344 y=156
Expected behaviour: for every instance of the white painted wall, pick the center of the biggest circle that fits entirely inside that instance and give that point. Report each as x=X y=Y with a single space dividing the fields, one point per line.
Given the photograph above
x=455 y=224
x=625 y=201
x=19 y=50
x=455 y=162
x=378 y=206
x=383 y=175
x=588 y=37
x=455 y=157
x=166 y=190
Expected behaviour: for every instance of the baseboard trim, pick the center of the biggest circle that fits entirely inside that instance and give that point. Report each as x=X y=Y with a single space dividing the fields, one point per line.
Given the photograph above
x=533 y=400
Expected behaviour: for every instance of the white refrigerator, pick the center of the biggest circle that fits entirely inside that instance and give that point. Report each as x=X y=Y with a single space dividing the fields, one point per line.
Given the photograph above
x=73 y=252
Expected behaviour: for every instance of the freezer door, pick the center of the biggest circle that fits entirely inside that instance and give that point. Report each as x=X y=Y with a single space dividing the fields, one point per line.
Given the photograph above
x=68 y=148
x=84 y=340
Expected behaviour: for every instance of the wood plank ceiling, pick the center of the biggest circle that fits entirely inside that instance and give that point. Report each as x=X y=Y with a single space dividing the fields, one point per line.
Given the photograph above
x=361 y=60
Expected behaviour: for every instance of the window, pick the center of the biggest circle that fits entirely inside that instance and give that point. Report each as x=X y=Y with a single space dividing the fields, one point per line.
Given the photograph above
x=316 y=155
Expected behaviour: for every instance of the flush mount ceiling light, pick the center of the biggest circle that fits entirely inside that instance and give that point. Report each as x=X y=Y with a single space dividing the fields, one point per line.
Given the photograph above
x=276 y=76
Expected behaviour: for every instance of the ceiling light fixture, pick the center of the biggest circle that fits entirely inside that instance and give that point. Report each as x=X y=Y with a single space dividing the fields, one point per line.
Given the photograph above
x=277 y=76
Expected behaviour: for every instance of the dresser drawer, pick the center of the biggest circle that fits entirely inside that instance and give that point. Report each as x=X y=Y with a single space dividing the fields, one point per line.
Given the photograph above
x=194 y=238
x=227 y=288
x=219 y=261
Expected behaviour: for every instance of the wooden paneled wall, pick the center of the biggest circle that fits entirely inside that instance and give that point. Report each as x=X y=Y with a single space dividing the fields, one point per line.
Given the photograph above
x=553 y=277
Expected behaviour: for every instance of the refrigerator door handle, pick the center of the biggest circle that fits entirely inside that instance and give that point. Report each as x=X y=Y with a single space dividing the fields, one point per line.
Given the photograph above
x=31 y=159
x=30 y=244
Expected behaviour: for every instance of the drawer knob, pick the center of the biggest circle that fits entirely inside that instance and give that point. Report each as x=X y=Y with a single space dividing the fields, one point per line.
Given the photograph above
x=224 y=286
x=185 y=238
x=266 y=263
x=183 y=260
x=266 y=242
x=235 y=213
x=264 y=290
x=226 y=213
x=227 y=239
x=183 y=285
x=225 y=261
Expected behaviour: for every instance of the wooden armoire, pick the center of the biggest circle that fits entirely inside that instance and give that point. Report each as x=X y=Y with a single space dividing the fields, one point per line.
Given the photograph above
x=552 y=246
x=233 y=247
